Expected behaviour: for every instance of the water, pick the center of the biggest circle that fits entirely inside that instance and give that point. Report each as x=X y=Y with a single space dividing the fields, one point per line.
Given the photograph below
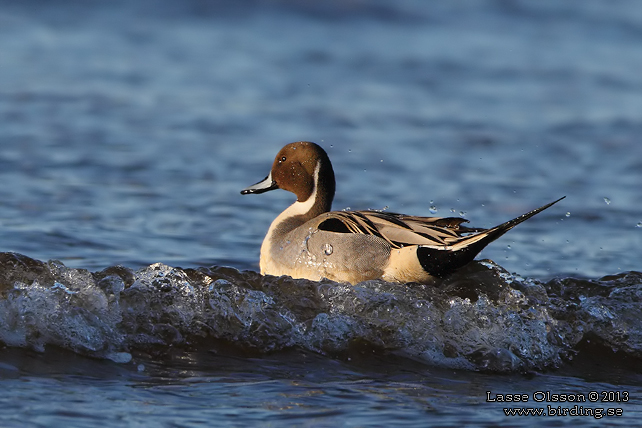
x=129 y=130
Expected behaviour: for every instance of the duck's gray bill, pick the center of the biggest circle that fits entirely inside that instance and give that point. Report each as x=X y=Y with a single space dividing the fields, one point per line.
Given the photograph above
x=264 y=185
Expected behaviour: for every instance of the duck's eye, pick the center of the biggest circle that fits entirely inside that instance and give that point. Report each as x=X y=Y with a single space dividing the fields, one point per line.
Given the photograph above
x=282 y=159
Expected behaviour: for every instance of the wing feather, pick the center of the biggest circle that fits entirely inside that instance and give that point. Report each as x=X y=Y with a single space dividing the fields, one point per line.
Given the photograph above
x=397 y=229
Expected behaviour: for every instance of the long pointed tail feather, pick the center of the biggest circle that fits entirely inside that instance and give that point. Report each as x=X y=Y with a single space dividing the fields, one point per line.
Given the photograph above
x=490 y=235
x=441 y=261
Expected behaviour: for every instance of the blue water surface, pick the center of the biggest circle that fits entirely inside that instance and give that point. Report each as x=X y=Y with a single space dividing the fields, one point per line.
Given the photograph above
x=129 y=128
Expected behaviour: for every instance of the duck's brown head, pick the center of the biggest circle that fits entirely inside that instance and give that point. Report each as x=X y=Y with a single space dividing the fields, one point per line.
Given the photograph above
x=304 y=169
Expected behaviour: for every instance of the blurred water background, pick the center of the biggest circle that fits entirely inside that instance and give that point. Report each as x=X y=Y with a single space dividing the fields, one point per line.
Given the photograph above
x=129 y=128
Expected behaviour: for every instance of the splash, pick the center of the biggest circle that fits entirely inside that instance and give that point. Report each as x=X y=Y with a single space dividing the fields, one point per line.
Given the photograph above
x=480 y=318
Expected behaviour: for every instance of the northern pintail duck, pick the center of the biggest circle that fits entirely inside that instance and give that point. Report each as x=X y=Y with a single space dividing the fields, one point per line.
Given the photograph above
x=307 y=240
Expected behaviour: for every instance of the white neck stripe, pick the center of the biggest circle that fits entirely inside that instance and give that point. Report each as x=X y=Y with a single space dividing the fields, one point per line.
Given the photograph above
x=296 y=209
x=299 y=208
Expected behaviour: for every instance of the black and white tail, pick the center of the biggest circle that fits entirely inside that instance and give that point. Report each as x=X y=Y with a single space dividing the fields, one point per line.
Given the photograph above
x=440 y=261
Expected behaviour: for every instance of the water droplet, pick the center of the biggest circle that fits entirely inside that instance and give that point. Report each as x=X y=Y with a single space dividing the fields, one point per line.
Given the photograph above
x=508 y=247
x=141 y=367
x=639 y=224
x=607 y=200
x=568 y=214
x=462 y=213
x=327 y=249
x=385 y=208
x=381 y=160
x=452 y=210
x=433 y=209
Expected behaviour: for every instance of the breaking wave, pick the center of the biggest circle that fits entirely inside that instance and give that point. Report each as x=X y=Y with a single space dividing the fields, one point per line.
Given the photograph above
x=480 y=318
